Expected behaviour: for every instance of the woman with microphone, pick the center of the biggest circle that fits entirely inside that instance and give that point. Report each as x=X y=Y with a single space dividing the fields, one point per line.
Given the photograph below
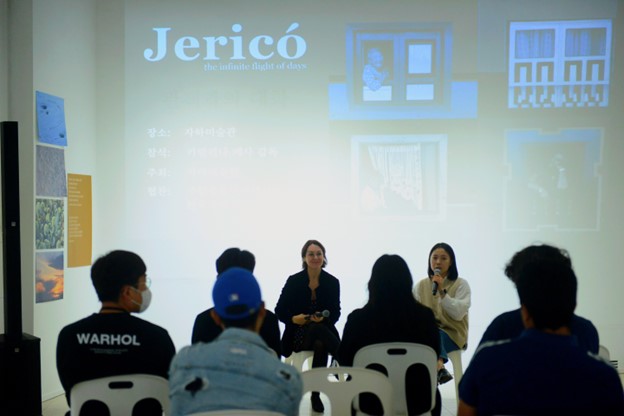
x=448 y=295
x=309 y=306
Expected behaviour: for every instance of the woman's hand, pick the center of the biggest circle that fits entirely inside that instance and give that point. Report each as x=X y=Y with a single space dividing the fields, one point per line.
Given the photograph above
x=300 y=319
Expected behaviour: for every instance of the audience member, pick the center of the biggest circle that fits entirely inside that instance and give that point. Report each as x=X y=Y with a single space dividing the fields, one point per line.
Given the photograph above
x=309 y=306
x=543 y=371
x=114 y=342
x=237 y=370
x=206 y=329
x=392 y=315
x=509 y=324
x=448 y=295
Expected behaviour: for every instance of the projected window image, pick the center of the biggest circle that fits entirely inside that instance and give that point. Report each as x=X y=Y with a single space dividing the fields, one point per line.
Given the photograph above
x=553 y=180
x=399 y=176
x=400 y=71
x=559 y=64
x=399 y=65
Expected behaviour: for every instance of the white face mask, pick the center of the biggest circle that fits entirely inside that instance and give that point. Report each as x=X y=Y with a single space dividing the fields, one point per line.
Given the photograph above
x=146 y=298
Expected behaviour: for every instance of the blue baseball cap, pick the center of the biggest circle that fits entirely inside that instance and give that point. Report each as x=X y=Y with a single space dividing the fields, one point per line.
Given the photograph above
x=236 y=294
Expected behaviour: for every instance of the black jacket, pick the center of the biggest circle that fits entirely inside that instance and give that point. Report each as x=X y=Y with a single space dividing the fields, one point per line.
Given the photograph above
x=296 y=299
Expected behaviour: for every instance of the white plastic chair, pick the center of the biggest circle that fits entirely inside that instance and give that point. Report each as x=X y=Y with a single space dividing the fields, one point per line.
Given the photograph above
x=396 y=357
x=245 y=412
x=342 y=384
x=300 y=359
x=458 y=371
x=120 y=393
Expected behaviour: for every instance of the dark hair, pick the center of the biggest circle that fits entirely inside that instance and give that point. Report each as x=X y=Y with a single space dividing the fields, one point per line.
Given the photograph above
x=548 y=292
x=452 y=274
x=390 y=284
x=304 y=249
x=542 y=252
x=111 y=272
x=390 y=298
x=235 y=257
x=245 y=323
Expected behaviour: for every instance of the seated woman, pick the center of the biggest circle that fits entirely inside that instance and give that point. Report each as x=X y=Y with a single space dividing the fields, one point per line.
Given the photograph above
x=391 y=315
x=448 y=295
x=309 y=306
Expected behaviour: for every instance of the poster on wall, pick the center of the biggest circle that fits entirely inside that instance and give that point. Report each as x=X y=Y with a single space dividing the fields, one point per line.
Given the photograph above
x=49 y=275
x=51 y=119
x=79 y=220
x=51 y=178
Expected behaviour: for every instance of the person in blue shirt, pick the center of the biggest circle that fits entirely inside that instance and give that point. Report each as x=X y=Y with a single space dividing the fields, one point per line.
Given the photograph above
x=237 y=370
x=509 y=324
x=543 y=371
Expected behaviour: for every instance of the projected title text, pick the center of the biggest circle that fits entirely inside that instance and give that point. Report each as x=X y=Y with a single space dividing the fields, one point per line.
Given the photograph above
x=290 y=47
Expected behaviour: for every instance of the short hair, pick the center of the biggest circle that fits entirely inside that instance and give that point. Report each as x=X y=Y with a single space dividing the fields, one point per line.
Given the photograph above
x=235 y=257
x=114 y=270
x=533 y=253
x=304 y=249
x=548 y=292
x=452 y=274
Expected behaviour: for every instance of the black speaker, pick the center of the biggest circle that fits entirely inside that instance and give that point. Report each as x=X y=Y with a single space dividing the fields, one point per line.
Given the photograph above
x=20 y=376
x=11 y=231
x=20 y=362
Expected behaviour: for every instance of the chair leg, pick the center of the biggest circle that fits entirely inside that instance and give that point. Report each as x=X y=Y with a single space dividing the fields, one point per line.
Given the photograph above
x=458 y=372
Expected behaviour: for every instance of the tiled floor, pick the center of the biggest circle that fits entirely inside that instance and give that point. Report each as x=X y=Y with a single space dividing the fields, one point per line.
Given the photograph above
x=58 y=407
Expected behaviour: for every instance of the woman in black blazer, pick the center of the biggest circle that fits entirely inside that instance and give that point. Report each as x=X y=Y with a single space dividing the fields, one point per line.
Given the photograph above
x=309 y=306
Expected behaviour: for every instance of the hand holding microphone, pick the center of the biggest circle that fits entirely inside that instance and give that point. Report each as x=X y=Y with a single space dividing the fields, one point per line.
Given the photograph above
x=318 y=316
x=436 y=272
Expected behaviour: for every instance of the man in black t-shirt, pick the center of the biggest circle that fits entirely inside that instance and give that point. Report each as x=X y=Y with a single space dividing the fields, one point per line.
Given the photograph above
x=113 y=342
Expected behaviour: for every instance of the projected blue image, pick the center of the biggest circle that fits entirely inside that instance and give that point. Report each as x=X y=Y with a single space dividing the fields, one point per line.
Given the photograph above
x=400 y=71
x=553 y=181
x=562 y=64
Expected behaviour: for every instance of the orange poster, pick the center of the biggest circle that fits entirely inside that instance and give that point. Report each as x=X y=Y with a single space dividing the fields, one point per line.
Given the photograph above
x=79 y=221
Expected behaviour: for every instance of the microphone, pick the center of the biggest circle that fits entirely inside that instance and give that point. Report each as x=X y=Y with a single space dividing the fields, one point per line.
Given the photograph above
x=435 y=284
x=324 y=314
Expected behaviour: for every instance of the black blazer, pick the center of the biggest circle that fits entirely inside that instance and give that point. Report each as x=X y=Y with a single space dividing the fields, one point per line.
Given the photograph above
x=296 y=298
x=205 y=329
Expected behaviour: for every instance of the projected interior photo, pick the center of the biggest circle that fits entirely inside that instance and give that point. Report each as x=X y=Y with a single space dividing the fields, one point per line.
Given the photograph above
x=554 y=179
x=402 y=177
x=400 y=71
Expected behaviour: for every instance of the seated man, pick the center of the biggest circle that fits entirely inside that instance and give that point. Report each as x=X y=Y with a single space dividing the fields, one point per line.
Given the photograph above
x=237 y=370
x=206 y=329
x=509 y=324
x=543 y=371
x=114 y=342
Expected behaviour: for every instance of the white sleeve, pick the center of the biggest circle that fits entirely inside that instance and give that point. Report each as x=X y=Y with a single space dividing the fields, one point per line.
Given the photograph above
x=415 y=292
x=458 y=306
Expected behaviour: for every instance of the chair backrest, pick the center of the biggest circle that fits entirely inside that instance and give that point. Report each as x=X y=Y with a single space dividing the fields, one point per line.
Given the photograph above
x=120 y=393
x=234 y=412
x=396 y=358
x=342 y=384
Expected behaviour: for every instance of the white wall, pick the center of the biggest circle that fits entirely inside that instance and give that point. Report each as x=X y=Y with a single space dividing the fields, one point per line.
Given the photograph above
x=64 y=47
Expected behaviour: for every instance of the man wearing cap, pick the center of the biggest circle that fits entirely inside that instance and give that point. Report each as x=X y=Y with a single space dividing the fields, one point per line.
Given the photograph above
x=237 y=370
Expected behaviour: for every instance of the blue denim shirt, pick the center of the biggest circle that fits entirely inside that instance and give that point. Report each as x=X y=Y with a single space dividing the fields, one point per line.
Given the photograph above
x=235 y=371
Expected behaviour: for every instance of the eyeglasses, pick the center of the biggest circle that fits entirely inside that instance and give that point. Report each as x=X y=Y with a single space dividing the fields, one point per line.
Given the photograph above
x=148 y=282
